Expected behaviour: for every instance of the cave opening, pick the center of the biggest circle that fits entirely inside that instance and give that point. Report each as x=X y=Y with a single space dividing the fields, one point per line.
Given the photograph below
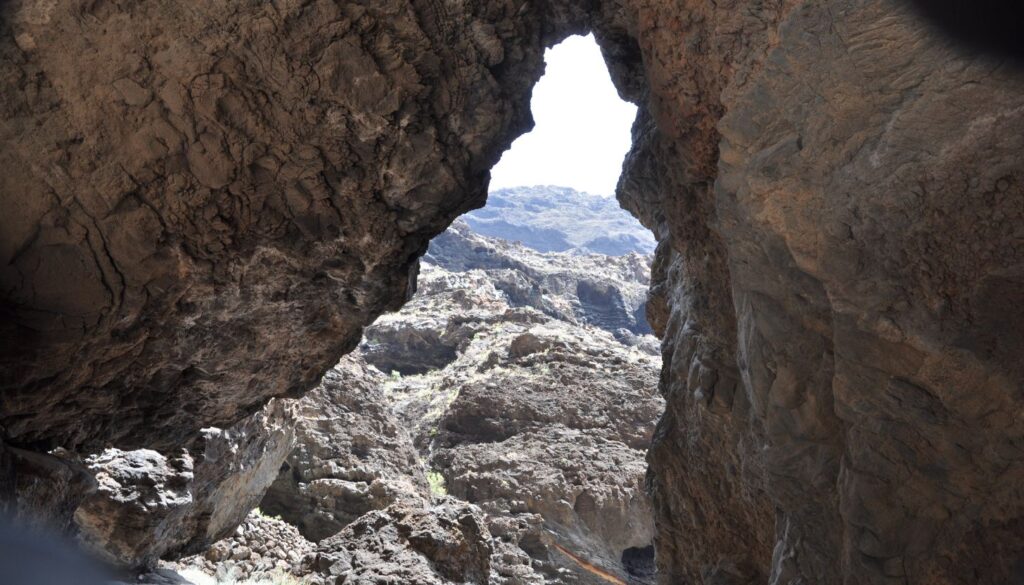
x=572 y=269
x=639 y=561
x=508 y=361
x=581 y=125
x=554 y=188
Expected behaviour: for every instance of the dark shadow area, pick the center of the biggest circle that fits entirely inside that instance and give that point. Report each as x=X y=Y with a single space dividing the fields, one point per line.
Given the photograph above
x=639 y=561
x=991 y=26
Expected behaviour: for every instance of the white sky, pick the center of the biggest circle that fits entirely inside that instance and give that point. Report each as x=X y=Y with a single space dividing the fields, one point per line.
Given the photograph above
x=581 y=131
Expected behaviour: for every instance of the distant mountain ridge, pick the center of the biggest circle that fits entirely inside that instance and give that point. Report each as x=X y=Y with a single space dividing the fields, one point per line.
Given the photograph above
x=560 y=219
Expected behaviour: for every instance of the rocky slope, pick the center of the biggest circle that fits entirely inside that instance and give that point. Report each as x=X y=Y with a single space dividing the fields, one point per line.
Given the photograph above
x=205 y=203
x=541 y=422
x=261 y=549
x=352 y=456
x=549 y=476
x=480 y=275
x=559 y=219
x=546 y=431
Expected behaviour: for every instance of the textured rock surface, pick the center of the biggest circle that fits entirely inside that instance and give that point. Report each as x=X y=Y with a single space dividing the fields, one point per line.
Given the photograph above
x=149 y=505
x=444 y=544
x=557 y=463
x=203 y=204
x=547 y=429
x=260 y=548
x=234 y=190
x=834 y=367
x=607 y=292
x=352 y=456
x=541 y=422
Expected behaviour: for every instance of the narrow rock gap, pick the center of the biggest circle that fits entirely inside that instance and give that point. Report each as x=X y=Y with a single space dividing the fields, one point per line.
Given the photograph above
x=522 y=374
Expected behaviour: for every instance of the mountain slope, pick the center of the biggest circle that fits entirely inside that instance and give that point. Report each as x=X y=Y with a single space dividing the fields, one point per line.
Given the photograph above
x=559 y=219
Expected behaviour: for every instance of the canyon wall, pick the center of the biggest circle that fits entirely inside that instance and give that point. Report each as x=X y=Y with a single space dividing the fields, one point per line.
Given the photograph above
x=204 y=204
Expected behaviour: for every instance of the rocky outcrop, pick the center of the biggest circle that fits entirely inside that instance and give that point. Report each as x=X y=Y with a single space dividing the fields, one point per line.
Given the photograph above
x=560 y=456
x=548 y=218
x=447 y=543
x=607 y=292
x=149 y=505
x=204 y=204
x=834 y=241
x=352 y=456
x=228 y=218
x=261 y=548
x=541 y=422
x=556 y=467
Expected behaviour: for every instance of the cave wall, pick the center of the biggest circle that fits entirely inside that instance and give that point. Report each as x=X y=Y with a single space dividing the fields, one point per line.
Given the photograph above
x=840 y=192
x=204 y=205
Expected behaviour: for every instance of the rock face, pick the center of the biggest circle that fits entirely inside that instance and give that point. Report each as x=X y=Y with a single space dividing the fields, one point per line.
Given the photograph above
x=229 y=219
x=607 y=292
x=149 y=506
x=445 y=544
x=547 y=430
x=558 y=219
x=549 y=478
x=352 y=456
x=203 y=204
x=835 y=247
x=541 y=422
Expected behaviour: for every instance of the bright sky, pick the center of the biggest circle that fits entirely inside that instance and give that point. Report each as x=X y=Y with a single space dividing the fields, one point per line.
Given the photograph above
x=581 y=131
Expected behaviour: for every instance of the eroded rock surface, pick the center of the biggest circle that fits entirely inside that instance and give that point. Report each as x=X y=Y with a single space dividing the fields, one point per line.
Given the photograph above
x=593 y=289
x=547 y=428
x=204 y=203
x=832 y=249
x=352 y=455
x=541 y=422
x=150 y=505
x=229 y=217
x=444 y=544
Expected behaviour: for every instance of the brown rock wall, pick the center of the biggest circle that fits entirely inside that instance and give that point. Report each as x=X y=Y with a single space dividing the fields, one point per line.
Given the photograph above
x=204 y=204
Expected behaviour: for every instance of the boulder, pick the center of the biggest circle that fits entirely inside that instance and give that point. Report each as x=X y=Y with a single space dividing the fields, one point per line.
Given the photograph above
x=445 y=544
x=151 y=505
x=351 y=455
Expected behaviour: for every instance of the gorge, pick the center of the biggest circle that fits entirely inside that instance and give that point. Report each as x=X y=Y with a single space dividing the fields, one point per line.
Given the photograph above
x=204 y=204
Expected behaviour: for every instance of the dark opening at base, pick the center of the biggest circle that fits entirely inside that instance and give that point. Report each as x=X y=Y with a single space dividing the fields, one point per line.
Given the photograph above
x=639 y=561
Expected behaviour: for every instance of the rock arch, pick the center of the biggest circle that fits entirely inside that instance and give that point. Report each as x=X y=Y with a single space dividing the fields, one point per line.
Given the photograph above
x=204 y=204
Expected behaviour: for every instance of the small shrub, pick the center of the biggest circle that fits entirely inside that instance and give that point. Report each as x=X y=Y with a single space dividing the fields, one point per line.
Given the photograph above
x=436 y=481
x=262 y=514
